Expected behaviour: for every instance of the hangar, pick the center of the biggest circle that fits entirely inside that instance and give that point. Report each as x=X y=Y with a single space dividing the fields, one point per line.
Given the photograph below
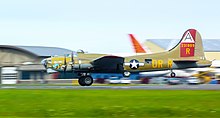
x=24 y=62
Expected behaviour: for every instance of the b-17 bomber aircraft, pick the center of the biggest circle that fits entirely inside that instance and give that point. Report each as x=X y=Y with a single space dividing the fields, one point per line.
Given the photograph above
x=188 y=53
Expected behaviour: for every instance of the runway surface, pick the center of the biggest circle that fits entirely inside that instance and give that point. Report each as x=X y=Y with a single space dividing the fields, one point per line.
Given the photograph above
x=145 y=87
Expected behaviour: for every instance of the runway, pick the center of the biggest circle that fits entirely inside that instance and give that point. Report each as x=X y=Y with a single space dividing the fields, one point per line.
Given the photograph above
x=144 y=87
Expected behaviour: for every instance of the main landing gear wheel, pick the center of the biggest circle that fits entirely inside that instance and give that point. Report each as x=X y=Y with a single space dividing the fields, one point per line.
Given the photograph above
x=80 y=81
x=172 y=74
x=85 y=81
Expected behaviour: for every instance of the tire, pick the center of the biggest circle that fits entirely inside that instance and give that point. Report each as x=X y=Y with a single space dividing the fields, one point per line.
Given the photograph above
x=88 y=80
x=172 y=74
x=81 y=81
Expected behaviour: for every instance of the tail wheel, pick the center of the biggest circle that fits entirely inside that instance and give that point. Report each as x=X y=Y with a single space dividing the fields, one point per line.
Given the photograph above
x=85 y=81
x=172 y=74
x=126 y=74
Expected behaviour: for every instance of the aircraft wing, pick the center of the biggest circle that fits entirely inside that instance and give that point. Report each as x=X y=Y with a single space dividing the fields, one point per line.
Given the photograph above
x=108 y=64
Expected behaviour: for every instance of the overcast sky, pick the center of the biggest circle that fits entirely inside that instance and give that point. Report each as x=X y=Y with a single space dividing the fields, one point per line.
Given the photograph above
x=102 y=26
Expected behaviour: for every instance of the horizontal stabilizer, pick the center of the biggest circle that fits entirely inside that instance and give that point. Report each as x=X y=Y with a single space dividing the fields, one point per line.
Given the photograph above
x=181 y=64
x=186 y=61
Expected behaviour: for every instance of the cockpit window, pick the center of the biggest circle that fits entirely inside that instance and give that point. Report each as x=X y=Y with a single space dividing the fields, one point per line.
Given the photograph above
x=74 y=54
x=80 y=51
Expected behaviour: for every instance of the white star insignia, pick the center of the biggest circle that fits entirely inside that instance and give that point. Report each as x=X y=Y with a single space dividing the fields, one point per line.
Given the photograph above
x=134 y=64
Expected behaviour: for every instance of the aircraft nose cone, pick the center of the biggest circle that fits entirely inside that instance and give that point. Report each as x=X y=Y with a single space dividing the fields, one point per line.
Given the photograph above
x=44 y=62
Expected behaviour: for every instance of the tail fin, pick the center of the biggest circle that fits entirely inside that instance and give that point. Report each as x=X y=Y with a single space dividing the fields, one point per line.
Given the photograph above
x=189 y=46
x=137 y=46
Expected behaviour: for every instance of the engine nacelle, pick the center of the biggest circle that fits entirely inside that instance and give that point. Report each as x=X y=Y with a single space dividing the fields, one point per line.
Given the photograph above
x=82 y=66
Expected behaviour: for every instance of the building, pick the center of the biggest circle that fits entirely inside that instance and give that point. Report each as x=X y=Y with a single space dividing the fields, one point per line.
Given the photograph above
x=24 y=62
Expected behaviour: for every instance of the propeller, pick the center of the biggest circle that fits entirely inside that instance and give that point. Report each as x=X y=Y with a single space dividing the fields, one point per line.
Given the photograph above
x=64 y=64
x=72 y=61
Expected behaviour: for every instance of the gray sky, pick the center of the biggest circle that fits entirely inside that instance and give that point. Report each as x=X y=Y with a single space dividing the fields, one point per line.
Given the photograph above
x=102 y=26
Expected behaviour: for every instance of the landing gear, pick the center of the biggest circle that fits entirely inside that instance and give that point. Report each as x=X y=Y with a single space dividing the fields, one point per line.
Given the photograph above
x=172 y=74
x=126 y=74
x=85 y=80
x=80 y=81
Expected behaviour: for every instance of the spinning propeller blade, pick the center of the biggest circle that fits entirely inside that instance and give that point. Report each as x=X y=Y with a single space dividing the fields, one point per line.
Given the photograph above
x=72 y=61
x=64 y=63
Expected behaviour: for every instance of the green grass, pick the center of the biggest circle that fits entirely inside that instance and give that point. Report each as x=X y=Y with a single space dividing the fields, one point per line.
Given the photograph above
x=109 y=103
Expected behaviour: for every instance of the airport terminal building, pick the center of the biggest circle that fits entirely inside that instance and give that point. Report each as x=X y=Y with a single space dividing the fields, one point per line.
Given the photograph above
x=24 y=62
